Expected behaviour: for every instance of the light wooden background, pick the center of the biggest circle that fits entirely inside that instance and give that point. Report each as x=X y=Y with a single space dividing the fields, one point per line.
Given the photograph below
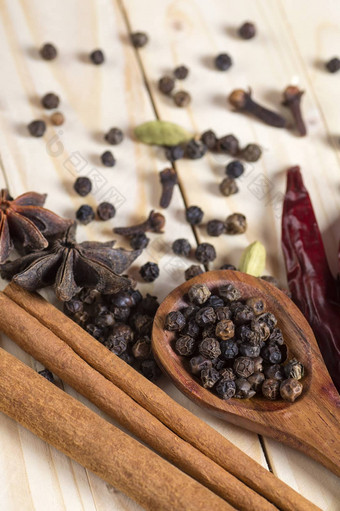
x=294 y=39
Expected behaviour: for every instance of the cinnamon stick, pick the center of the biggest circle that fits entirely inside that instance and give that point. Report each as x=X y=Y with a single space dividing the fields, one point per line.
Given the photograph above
x=71 y=427
x=177 y=418
x=56 y=355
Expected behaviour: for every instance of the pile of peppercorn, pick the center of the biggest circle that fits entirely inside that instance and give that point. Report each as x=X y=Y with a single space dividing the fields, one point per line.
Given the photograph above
x=233 y=345
x=122 y=322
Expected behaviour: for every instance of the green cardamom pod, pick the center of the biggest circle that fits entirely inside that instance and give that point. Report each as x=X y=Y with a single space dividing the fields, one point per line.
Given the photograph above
x=162 y=133
x=253 y=259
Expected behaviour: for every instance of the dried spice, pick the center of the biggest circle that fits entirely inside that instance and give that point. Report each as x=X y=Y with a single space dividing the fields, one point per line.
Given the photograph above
x=205 y=253
x=333 y=65
x=290 y=389
x=223 y=62
x=228 y=144
x=154 y=223
x=195 y=149
x=234 y=169
x=83 y=186
x=149 y=271
x=71 y=266
x=166 y=84
x=199 y=294
x=185 y=345
x=243 y=101
x=205 y=316
x=181 y=247
x=292 y=99
x=175 y=321
x=194 y=215
x=226 y=389
x=97 y=57
x=247 y=30
x=225 y=329
x=26 y=224
x=181 y=72
x=168 y=178
x=50 y=101
x=161 y=133
x=85 y=214
x=174 y=153
x=57 y=119
x=271 y=389
x=243 y=389
x=106 y=211
x=228 y=186
x=251 y=153
x=294 y=369
x=182 y=98
x=48 y=51
x=236 y=224
x=139 y=39
x=215 y=227
x=209 y=348
x=37 y=128
x=114 y=136
x=209 y=377
x=193 y=271
x=253 y=259
x=45 y=373
x=108 y=159
x=209 y=139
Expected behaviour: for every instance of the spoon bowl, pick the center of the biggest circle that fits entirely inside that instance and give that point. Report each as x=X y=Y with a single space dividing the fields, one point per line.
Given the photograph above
x=303 y=424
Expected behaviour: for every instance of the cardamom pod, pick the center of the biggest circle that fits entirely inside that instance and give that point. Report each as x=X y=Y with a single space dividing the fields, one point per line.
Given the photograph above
x=253 y=259
x=162 y=133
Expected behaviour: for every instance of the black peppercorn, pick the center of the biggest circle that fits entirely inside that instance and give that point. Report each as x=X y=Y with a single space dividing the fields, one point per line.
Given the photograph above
x=108 y=159
x=37 y=128
x=50 y=101
x=194 y=215
x=114 y=136
x=48 y=51
x=229 y=349
x=333 y=65
x=181 y=72
x=185 y=345
x=195 y=149
x=94 y=330
x=223 y=313
x=57 y=119
x=85 y=214
x=174 y=153
x=247 y=350
x=141 y=350
x=181 y=247
x=106 y=210
x=215 y=227
x=205 y=253
x=189 y=311
x=243 y=314
x=192 y=328
x=228 y=267
x=290 y=390
x=197 y=364
x=234 y=169
x=150 y=370
x=225 y=329
x=256 y=380
x=294 y=369
x=257 y=305
x=268 y=318
x=209 y=139
x=209 y=348
x=209 y=377
x=139 y=39
x=175 y=321
x=247 y=30
x=271 y=389
x=149 y=271
x=215 y=301
x=97 y=57
x=228 y=186
x=105 y=320
x=271 y=353
x=229 y=293
x=73 y=306
x=223 y=61
x=228 y=144
x=272 y=280
x=47 y=374
x=244 y=367
x=182 y=98
x=166 y=84
x=192 y=271
x=205 y=316
x=258 y=364
x=82 y=186
x=118 y=345
x=252 y=152
x=139 y=241
x=273 y=371
x=236 y=224
x=276 y=336
x=243 y=389
x=199 y=294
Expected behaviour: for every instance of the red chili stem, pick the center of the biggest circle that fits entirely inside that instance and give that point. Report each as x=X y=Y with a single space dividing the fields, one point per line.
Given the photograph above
x=313 y=287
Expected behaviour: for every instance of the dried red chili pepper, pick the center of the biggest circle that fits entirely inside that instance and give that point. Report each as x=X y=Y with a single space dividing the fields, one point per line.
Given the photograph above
x=311 y=283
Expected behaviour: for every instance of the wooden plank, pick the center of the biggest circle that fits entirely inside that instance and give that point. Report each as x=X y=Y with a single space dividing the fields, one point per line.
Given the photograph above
x=192 y=33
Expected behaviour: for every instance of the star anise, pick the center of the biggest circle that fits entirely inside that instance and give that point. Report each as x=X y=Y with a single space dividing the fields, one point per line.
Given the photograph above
x=71 y=266
x=25 y=223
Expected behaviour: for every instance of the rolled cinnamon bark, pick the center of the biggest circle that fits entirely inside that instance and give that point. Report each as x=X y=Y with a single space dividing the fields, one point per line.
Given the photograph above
x=93 y=442
x=56 y=355
x=177 y=418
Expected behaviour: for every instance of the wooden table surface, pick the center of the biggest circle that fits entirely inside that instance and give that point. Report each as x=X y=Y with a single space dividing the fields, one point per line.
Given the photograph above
x=293 y=42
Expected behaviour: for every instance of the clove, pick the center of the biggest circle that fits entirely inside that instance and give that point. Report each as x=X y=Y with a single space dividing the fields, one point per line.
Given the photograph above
x=168 y=179
x=292 y=100
x=242 y=100
x=154 y=223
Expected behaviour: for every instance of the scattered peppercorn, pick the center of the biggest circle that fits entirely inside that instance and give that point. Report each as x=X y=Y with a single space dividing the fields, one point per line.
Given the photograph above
x=174 y=153
x=333 y=65
x=166 y=84
x=97 y=57
x=182 y=98
x=234 y=169
x=50 y=101
x=195 y=149
x=106 y=210
x=47 y=374
x=139 y=241
x=228 y=186
x=228 y=266
x=82 y=186
x=228 y=144
x=193 y=271
x=48 y=51
x=149 y=271
x=205 y=253
x=181 y=72
x=57 y=118
x=209 y=139
x=37 y=128
x=139 y=39
x=108 y=159
x=223 y=62
x=185 y=345
x=175 y=321
x=215 y=227
x=236 y=224
x=182 y=247
x=252 y=153
x=247 y=30
x=85 y=214
x=114 y=136
x=194 y=215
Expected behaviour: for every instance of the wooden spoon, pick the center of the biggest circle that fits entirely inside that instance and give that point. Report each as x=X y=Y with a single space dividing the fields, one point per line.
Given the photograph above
x=311 y=423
